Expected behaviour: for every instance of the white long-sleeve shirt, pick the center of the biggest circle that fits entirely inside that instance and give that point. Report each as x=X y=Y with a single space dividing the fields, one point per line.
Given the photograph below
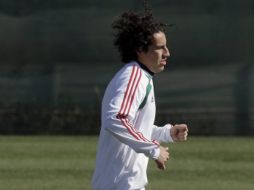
x=128 y=136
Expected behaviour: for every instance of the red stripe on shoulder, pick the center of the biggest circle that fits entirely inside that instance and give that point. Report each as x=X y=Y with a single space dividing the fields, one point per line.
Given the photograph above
x=129 y=90
x=134 y=92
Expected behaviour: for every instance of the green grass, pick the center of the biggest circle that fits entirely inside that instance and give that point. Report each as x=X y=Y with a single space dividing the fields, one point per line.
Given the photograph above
x=61 y=163
x=207 y=164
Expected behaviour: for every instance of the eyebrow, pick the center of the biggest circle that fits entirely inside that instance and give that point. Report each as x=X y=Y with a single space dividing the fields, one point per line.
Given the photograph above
x=160 y=46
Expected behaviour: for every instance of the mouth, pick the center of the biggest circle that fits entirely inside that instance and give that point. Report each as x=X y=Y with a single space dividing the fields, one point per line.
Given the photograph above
x=163 y=62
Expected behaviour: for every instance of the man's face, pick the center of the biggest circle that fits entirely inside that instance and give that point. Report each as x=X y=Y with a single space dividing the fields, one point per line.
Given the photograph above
x=156 y=56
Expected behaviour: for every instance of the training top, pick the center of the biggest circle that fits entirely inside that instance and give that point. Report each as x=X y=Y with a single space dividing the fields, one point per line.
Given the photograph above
x=128 y=136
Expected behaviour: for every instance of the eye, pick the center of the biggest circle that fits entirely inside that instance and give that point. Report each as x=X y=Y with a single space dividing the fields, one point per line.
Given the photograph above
x=160 y=47
x=164 y=47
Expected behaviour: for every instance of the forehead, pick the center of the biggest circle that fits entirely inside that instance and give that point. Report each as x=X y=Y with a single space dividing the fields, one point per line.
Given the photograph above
x=159 y=38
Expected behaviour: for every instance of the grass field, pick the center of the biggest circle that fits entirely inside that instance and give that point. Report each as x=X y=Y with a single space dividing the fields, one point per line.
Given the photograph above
x=66 y=163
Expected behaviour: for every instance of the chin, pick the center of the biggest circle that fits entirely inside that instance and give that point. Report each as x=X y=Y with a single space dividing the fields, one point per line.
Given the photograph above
x=160 y=69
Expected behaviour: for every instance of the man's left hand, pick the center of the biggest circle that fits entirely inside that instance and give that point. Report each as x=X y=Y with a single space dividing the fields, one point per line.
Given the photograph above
x=179 y=132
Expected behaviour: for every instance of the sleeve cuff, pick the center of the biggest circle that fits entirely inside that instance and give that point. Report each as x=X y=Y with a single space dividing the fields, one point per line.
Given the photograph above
x=170 y=139
x=155 y=153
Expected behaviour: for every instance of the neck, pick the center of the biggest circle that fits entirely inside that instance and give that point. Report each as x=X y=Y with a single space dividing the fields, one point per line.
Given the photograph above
x=143 y=66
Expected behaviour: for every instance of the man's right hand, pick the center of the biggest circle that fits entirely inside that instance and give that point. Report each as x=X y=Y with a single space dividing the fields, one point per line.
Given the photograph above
x=163 y=158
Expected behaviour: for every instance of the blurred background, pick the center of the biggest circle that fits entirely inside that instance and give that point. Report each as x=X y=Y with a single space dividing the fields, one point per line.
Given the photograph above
x=57 y=56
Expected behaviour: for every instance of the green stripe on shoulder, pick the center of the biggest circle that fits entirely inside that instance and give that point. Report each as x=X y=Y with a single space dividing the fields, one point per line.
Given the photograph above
x=148 y=89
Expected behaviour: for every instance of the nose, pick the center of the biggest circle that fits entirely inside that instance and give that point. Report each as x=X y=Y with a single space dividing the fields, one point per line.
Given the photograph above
x=166 y=52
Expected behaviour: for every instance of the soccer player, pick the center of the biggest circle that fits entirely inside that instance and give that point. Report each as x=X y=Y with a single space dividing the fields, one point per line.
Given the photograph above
x=128 y=136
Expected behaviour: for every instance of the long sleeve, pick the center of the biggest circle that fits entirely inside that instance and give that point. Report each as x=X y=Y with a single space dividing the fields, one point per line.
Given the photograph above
x=121 y=103
x=162 y=134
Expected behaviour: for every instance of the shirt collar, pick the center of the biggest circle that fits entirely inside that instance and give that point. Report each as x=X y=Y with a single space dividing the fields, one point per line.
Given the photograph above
x=145 y=68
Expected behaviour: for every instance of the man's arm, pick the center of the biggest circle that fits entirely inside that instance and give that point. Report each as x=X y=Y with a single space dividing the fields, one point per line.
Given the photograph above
x=162 y=134
x=168 y=133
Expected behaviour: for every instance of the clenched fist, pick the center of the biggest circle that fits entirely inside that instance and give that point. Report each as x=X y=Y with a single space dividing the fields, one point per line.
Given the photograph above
x=179 y=132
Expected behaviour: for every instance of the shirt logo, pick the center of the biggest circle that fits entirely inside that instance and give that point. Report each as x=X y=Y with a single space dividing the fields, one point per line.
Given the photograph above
x=152 y=99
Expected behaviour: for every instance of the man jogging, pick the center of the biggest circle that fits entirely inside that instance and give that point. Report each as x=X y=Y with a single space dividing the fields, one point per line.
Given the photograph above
x=128 y=136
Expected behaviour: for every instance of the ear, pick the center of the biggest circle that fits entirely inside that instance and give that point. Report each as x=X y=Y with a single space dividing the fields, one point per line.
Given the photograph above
x=139 y=53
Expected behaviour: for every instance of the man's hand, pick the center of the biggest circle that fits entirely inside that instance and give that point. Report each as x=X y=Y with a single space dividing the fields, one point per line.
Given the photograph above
x=163 y=158
x=179 y=132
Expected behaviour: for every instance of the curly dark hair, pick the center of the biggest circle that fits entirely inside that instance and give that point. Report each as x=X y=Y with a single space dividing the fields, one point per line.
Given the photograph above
x=134 y=32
